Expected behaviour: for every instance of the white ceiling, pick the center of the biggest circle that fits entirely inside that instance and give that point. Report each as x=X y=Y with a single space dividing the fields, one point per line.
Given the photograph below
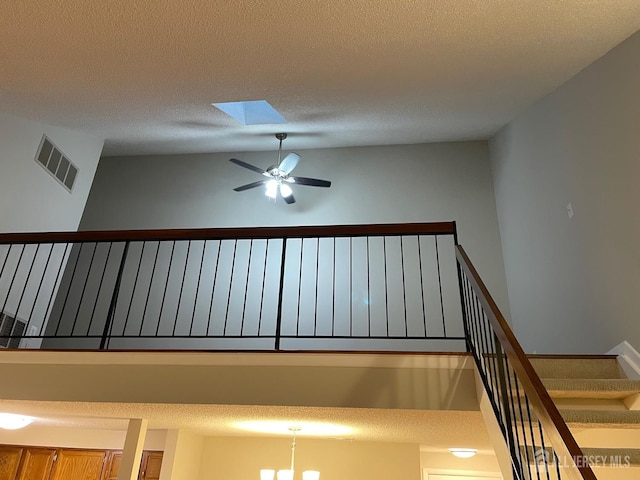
x=343 y=73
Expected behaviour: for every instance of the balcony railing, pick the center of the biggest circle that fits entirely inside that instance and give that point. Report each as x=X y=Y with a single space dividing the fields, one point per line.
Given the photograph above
x=373 y=287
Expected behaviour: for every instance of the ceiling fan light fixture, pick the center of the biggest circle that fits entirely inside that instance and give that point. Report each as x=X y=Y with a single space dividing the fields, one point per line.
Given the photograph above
x=285 y=190
x=272 y=189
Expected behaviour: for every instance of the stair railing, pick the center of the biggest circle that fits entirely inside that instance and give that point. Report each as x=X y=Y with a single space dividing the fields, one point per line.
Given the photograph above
x=539 y=441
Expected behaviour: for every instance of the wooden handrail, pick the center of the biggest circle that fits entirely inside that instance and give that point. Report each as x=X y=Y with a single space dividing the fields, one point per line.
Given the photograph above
x=435 y=228
x=544 y=407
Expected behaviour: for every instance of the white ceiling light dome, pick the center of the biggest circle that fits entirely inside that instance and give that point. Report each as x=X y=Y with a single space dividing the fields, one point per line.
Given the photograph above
x=12 y=421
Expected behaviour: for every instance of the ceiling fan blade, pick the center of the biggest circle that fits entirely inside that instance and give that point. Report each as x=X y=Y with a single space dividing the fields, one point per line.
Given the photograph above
x=289 y=163
x=250 y=185
x=289 y=200
x=313 y=182
x=248 y=165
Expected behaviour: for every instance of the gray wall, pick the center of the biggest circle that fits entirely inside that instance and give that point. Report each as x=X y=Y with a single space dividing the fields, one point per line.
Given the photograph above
x=574 y=283
x=411 y=183
x=30 y=198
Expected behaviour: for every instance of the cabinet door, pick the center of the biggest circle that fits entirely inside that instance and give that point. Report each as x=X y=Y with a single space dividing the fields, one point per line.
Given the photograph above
x=37 y=463
x=151 y=463
x=112 y=466
x=9 y=462
x=78 y=465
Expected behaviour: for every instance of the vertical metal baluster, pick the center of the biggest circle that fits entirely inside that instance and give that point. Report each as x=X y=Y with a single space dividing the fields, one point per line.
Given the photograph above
x=84 y=287
x=114 y=298
x=299 y=289
x=15 y=273
x=233 y=268
x=444 y=324
x=184 y=276
x=424 y=309
x=95 y=303
x=505 y=396
x=368 y=292
x=546 y=463
x=66 y=298
x=522 y=426
x=48 y=311
x=146 y=301
x=195 y=300
x=404 y=289
x=213 y=285
x=514 y=414
x=166 y=285
x=26 y=282
x=333 y=291
x=35 y=299
x=264 y=279
x=283 y=259
x=533 y=440
x=351 y=286
x=315 y=317
x=386 y=283
x=133 y=291
x=4 y=262
x=246 y=287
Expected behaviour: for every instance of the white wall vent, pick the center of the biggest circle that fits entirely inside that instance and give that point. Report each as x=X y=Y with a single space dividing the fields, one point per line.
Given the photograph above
x=11 y=327
x=56 y=163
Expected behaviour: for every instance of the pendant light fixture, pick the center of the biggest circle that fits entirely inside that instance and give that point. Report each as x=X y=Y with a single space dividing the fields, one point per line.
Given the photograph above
x=268 y=474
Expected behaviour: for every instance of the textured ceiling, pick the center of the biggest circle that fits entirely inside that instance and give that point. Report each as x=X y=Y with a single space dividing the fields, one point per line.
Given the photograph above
x=142 y=74
x=434 y=429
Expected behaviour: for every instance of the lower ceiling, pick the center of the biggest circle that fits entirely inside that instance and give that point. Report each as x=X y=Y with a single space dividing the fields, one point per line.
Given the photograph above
x=142 y=75
x=434 y=429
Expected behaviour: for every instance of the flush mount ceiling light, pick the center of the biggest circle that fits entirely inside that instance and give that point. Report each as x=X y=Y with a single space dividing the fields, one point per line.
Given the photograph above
x=11 y=421
x=281 y=427
x=279 y=180
x=268 y=474
x=463 y=452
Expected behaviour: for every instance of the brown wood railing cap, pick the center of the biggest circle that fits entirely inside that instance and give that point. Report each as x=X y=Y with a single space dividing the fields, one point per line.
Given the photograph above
x=434 y=228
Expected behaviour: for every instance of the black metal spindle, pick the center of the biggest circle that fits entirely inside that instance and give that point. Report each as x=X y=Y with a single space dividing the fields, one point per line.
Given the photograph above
x=153 y=275
x=404 y=288
x=166 y=286
x=513 y=412
x=195 y=300
x=66 y=298
x=84 y=288
x=350 y=286
x=13 y=278
x=95 y=302
x=213 y=285
x=544 y=450
x=233 y=268
x=533 y=439
x=386 y=284
x=333 y=291
x=368 y=292
x=37 y=295
x=424 y=310
x=48 y=311
x=283 y=259
x=246 y=287
x=315 y=315
x=264 y=280
x=444 y=324
x=114 y=298
x=26 y=283
x=184 y=276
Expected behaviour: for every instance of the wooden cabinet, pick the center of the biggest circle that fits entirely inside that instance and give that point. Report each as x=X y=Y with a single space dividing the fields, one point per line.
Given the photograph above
x=10 y=462
x=78 y=465
x=150 y=466
x=36 y=463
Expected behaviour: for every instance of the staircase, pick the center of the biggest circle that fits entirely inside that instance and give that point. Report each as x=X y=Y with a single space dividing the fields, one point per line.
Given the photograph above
x=602 y=408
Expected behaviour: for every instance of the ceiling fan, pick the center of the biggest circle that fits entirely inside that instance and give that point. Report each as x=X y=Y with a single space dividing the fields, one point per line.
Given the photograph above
x=278 y=176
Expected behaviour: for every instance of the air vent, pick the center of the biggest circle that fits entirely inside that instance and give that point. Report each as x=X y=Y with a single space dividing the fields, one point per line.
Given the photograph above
x=10 y=327
x=56 y=163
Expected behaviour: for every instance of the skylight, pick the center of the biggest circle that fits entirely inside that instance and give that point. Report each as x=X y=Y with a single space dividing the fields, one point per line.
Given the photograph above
x=256 y=112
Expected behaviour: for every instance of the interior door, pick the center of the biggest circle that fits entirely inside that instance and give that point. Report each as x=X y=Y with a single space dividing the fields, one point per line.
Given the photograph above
x=78 y=465
x=9 y=462
x=37 y=463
